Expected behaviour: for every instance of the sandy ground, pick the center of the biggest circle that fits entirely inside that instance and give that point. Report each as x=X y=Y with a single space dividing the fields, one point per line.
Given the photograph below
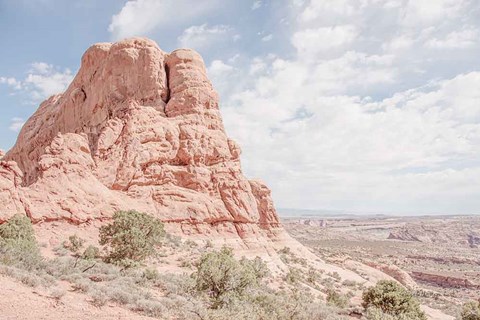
x=18 y=301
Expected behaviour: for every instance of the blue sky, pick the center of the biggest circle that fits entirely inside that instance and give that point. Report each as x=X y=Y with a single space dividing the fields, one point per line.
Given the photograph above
x=364 y=106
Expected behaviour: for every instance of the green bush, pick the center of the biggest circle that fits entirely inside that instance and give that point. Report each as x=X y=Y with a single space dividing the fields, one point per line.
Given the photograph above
x=91 y=253
x=18 y=227
x=18 y=245
x=132 y=237
x=312 y=275
x=224 y=279
x=377 y=314
x=471 y=311
x=392 y=299
x=293 y=276
x=336 y=299
x=74 y=244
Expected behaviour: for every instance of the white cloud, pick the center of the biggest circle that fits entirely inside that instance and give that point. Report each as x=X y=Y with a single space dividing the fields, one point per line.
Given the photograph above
x=323 y=8
x=45 y=80
x=203 y=36
x=41 y=68
x=267 y=38
x=257 y=4
x=16 y=124
x=311 y=42
x=140 y=17
x=218 y=67
x=427 y=12
x=345 y=152
x=359 y=118
x=12 y=82
x=399 y=43
x=42 y=81
x=455 y=39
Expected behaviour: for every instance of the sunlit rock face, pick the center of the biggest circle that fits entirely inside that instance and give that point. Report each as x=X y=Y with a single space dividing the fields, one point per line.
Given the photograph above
x=138 y=128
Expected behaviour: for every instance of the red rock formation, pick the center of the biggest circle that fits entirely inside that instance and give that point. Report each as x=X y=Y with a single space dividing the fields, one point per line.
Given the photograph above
x=140 y=129
x=445 y=280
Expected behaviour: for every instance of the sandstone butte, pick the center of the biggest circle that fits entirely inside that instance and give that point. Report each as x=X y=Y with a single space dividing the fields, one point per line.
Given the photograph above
x=136 y=129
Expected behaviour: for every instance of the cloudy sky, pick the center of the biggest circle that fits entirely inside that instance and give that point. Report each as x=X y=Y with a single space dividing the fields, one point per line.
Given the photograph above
x=356 y=105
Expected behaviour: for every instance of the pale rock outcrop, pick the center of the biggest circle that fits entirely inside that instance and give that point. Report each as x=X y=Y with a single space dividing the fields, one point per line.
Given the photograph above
x=395 y=272
x=11 y=198
x=140 y=129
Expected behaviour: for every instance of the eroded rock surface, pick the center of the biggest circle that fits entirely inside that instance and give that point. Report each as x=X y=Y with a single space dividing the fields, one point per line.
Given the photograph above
x=140 y=129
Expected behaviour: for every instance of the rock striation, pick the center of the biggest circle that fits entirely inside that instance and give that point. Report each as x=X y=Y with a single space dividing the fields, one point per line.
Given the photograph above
x=446 y=281
x=138 y=128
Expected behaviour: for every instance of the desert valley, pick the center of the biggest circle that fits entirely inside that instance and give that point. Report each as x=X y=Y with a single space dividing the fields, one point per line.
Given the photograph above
x=437 y=256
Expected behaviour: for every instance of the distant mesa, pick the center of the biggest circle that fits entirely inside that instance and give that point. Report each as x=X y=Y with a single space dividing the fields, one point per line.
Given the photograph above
x=320 y=223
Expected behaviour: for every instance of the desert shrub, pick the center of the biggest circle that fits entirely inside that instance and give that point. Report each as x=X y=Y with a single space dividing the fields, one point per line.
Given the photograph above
x=173 y=241
x=312 y=275
x=176 y=284
x=57 y=293
x=30 y=280
x=293 y=276
x=349 y=283
x=191 y=244
x=150 y=308
x=19 y=227
x=27 y=277
x=125 y=291
x=132 y=237
x=335 y=275
x=99 y=298
x=91 y=253
x=377 y=314
x=336 y=299
x=184 y=263
x=470 y=311
x=150 y=275
x=224 y=279
x=81 y=285
x=208 y=244
x=392 y=299
x=74 y=244
x=18 y=245
x=265 y=303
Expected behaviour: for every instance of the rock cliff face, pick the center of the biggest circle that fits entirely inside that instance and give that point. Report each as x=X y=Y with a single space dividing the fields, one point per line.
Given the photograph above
x=140 y=129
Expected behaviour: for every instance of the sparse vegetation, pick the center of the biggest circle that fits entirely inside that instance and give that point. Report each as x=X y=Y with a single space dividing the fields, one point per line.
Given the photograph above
x=391 y=299
x=221 y=286
x=293 y=276
x=313 y=275
x=470 y=311
x=74 y=244
x=91 y=253
x=336 y=299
